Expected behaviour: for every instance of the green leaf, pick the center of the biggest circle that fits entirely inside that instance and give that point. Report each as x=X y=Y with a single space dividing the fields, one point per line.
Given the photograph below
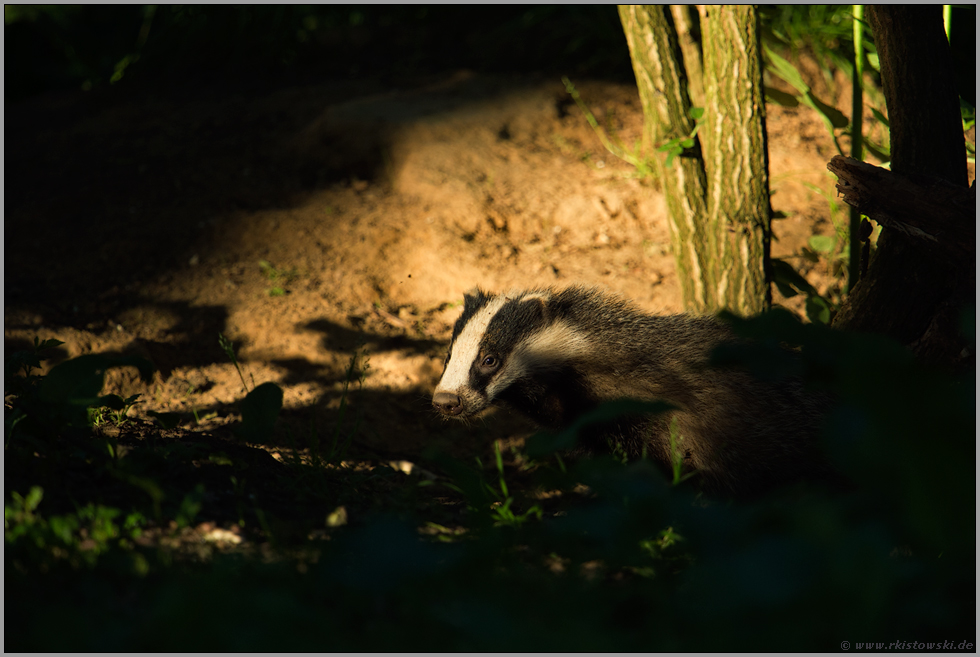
x=781 y=97
x=696 y=113
x=786 y=290
x=783 y=272
x=879 y=152
x=822 y=243
x=46 y=344
x=112 y=402
x=786 y=71
x=832 y=115
x=34 y=497
x=166 y=420
x=260 y=409
x=544 y=443
x=791 y=74
x=73 y=380
x=880 y=117
x=818 y=310
x=220 y=459
x=75 y=384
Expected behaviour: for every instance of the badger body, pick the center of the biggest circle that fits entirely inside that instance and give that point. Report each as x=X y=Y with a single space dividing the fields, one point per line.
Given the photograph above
x=556 y=355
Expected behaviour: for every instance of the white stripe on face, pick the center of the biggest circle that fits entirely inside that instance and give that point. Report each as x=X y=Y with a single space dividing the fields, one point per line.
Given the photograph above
x=557 y=343
x=467 y=347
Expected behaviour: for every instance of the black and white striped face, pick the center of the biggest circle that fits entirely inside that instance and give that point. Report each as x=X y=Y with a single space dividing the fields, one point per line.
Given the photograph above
x=484 y=355
x=498 y=340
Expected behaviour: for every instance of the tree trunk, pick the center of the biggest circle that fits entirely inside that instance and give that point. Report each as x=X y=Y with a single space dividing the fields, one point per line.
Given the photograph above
x=912 y=294
x=687 y=24
x=662 y=83
x=736 y=157
x=717 y=191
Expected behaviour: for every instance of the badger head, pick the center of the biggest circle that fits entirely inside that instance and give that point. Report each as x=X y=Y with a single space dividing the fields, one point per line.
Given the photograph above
x=498 y=341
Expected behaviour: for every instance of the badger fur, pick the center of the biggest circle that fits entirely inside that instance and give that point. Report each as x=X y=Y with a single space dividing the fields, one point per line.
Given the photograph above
x=555 y=355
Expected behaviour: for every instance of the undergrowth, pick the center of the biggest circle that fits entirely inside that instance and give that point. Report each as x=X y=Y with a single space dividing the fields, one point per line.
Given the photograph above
x=529 y=551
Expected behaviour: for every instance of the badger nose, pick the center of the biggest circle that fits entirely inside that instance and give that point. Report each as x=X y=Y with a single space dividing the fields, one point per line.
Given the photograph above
x=447 y=403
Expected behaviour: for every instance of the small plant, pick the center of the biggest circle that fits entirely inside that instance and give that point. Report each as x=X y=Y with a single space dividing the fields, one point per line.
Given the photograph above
x=968 y=114
x=338 y=447
x=677 y=455
x=790 y=283
x=501 y=512
x=115 y=410
x=260 y=408
x=78 y=537
x=26 y=361
x=42 y=406
x=614 y=146
x=279 y=278
x=678 y=146
x=229 y=348
x=832 y=117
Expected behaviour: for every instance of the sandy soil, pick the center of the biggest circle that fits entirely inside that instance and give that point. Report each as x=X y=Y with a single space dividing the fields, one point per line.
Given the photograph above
x=312 y=224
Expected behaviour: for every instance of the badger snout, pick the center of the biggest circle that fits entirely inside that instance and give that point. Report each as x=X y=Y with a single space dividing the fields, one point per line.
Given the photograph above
x=447 y=403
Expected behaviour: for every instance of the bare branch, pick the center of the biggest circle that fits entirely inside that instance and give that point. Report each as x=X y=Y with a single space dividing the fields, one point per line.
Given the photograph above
x=923 y=207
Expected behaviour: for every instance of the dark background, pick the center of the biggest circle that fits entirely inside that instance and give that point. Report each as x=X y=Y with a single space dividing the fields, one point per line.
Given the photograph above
x=76 y=46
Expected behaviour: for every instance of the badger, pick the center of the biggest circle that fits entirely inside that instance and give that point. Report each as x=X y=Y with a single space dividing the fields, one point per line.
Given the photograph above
x=555 y=355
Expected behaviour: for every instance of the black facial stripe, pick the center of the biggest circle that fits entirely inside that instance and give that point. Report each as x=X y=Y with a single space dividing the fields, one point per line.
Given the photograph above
x=478 y=380
x=514 y=322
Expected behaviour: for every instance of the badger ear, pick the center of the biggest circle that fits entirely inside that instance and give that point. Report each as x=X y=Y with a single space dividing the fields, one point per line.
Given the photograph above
x=474 y=297
x=534 y=308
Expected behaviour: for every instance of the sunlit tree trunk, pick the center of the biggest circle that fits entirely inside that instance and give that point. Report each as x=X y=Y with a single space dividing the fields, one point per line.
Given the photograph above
x=733 y=137
x=717 y=191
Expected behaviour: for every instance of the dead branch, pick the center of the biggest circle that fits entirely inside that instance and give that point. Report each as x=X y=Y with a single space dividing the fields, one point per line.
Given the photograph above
x=940 y=214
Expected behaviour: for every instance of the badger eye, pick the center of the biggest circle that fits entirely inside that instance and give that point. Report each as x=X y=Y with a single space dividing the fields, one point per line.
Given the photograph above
x=489 y=362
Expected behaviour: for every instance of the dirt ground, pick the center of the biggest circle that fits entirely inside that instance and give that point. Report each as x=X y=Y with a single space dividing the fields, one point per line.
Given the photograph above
x=309 y=225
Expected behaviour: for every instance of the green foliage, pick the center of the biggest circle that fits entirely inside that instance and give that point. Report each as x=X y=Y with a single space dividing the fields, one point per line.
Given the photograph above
x=69 y=396
x=838 y=40
x=228 y=347
x=677 y=455
x=166 y=420
x=825 y=30
x=338 y=445
x=77 y=538
x=595 y=554
x=114 y=408
x=278 y=278
x=261 y=406
x=260 y=410
x=832 y=117
x=678 y=146
x=969 y=116
x=790 y=283
x=502 y=513
x=610 y=140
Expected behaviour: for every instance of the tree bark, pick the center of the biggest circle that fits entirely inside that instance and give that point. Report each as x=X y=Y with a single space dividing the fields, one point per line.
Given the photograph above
x=937 y=215
x=912 y=294
x=717 y=192
x=686 y=23
x=662 y=83
x=736 y=160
